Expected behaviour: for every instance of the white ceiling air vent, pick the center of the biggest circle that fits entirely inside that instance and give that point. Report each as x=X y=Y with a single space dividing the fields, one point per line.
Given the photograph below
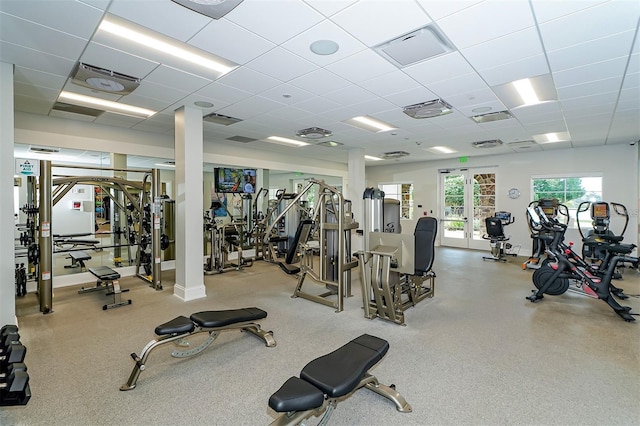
x=492 y=116
x=394 y=155
x=416 y=46
x=487 y=144
x=314 y=133
x=43 y=149
x=104 y=80
x=215 y=9
x=429 y=109
x=521 y=146
x=220 y=119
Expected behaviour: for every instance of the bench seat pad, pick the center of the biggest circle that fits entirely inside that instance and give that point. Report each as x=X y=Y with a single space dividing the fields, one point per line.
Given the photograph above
x=177 y=325
x=212 y=319
x=105 y=273
x=296 y=395
x=79 y=255
x=339 y=372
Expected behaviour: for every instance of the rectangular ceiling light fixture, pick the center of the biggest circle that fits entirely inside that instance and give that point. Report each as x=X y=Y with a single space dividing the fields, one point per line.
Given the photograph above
x=441 y=150
x=552 y=137
x=166 y=45
x=416 y=46
x=527 y=91
x=369 y=123
x=110 y=106
x=372 y=158
x=286 y=141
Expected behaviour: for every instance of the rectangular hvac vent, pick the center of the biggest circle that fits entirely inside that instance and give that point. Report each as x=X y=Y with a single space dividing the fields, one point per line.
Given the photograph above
x=75 y=109
x=394 y=154
x=429 y=109
x=521 y=146
x=43 y=149
x=492 y=116
x=220 y=119
x=241 y=139
x=103 y=80
x=416 y=46
x=493 y=143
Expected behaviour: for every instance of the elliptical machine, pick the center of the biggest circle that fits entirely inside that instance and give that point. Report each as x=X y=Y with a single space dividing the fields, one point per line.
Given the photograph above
x=539 y=236
x=554 y=278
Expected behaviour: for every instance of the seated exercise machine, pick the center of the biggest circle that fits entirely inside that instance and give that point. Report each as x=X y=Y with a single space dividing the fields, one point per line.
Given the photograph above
x=107 y=279
x=565 y=267
x=14 y=379
x=77 y=260
x=303 y=232
x=497 y=239
x=179 y=329
x=396 y=271
x=332 y=378
x=224 y=239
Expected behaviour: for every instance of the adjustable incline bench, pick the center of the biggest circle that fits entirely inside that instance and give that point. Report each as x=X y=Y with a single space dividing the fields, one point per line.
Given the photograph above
x=77 y=260
x=332 y=378
x=109 y=277
x=213 y=322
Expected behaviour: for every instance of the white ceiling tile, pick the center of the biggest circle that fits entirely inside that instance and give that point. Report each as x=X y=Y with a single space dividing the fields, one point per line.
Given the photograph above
x=71 y=116
x=39 y=61
x=329 y=7
x=588 y=24
x=40 y=38
x=249 y=80
x=593 y=72
x=411 y=96
x=512 y=47
x=250 y=107
x=482 y=22
x=317 y=105
x=281 y=64
x=536 y=113
x=24 y=89
x=634 y=64
x=167 y=18
x=458 y=85
x=387 y=84
x=176 y=79
x=375 y=22
x=438 y=9
x=117 y=60
x=159 y=92
x=631 y=80
x=467 y=109
x=151 y=103
x=547 y=10
x=287 y=94
x=222 y=94
x=231 y=41
x=325 y=30
x=350 y=95
x=524 y=68
x=32 y=105
x=597 y=50
x=273 y=19
x=320 y=82
x=437 y=69
x=592 y=87
x=555 y=146
x=290 y=114
x=117 y=120
x=364 y=65
x=99 y=4
x=38 y=78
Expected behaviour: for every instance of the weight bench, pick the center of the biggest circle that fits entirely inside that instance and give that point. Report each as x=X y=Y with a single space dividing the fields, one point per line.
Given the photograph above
x=327 y=380
x=77 y=260
x=213 y=322
x=107 y=279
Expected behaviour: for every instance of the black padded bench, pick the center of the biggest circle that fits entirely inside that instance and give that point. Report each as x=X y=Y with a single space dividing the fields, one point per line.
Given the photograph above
x=77 y=260
x=331 y=378
x=108 y=279
x=213 y=322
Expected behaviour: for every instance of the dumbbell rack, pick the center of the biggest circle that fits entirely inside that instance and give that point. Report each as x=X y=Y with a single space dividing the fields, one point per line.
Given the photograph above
x=14 y=380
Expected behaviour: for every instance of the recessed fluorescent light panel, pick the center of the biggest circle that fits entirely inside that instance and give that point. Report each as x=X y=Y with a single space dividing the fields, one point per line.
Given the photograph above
x=441 y=150
x=369 y=123
x=372 y=158
x=552 y=137
x=527 y=91
x=285 y=141
x=115 y=107
x=164 y=45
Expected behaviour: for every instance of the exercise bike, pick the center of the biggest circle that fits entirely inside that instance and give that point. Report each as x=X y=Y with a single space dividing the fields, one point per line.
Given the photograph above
x=553 y=209
x=554 y=278
x=497 y=239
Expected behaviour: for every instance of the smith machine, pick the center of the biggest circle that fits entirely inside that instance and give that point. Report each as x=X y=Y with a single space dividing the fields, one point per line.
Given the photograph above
x=331 y=224
x=143 y=227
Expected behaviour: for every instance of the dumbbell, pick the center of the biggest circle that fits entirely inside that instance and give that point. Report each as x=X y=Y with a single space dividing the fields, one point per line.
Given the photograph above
x=13 y=354
x=14 y=387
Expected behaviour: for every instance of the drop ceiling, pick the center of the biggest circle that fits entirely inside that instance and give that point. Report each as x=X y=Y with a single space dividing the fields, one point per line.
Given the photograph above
x=589 y=48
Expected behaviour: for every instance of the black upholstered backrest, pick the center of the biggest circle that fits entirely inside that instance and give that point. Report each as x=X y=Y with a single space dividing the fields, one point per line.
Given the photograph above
x=425 y=238
x=494 y=227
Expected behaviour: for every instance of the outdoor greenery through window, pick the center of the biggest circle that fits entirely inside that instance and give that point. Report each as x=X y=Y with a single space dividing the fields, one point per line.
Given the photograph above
x=402 y=192
x=570 y=191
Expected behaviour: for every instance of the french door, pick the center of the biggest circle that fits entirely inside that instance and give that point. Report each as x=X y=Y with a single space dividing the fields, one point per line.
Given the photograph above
x=467 y=197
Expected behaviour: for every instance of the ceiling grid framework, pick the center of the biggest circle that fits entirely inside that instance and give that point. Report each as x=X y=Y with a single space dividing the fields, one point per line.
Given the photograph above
x=588 y=49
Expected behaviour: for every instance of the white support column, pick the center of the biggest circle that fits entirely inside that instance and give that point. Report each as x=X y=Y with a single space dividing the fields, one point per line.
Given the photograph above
x=7 y=221
x=189 y=198
x=355 y=190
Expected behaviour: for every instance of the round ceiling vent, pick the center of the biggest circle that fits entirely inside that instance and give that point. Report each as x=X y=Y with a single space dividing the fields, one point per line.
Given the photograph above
x=104 y=84
x=314 y=133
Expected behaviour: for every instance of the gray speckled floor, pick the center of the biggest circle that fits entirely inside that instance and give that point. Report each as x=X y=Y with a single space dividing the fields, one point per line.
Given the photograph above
x=476 y=354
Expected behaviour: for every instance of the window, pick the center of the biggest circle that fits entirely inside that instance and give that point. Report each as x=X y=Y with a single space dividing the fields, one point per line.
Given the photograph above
x=402 y=192
x=570 y=191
